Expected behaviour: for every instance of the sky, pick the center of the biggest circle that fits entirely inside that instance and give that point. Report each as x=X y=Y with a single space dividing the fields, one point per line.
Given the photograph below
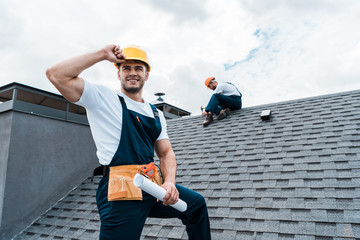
x=272 y=50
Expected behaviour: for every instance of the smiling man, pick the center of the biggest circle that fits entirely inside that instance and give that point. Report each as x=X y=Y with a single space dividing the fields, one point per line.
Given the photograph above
x=127 y=130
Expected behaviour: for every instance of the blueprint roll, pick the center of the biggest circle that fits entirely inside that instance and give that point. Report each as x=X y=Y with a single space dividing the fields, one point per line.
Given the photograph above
x=156 y=191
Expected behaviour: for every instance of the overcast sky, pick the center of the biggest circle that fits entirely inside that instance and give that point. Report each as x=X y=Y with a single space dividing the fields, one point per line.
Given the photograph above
x=273 y=50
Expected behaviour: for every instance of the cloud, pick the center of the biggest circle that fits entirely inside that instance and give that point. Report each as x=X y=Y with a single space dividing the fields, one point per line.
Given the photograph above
x=301 y=51
x=272 y=50
x=182 y=11
x=11 y=28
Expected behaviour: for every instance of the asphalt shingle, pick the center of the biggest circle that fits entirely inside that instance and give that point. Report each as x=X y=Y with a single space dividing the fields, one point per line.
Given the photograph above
x=295 y=176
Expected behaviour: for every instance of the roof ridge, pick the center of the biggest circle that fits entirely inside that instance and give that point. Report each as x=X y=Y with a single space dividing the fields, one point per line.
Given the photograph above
x=280 y=103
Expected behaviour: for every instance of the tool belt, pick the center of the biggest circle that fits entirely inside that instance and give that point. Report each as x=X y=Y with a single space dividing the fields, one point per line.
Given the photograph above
x=121 y=186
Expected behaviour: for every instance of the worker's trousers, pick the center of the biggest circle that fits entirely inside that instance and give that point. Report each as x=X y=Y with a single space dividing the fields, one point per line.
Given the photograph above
x=220 y=101
x=126 y=219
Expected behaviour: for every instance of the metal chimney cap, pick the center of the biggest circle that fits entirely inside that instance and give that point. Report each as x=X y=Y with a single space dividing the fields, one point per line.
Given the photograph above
x=159 y=94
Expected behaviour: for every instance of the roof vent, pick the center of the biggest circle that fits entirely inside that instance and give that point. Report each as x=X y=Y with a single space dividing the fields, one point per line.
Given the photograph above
x=159 y=94
x=265 y=115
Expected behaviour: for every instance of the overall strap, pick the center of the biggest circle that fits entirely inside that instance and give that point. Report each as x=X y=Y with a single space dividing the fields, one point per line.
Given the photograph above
x=235 y=87
x=155 y=111
x=136 y=138
x=121 y=99
x=138 y=135
x=156 y=115
x=153 y=108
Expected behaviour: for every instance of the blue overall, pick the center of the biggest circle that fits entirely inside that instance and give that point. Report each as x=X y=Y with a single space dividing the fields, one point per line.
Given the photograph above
x=219 y=101
x=125 y=219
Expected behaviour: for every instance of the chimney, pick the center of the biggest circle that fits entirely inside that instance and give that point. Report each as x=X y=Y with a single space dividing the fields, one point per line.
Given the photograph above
x=169 y=111
x=159 y=94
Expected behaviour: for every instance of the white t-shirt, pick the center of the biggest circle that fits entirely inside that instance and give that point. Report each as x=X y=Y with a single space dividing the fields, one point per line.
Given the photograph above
x=104 y=113
x=227 y=89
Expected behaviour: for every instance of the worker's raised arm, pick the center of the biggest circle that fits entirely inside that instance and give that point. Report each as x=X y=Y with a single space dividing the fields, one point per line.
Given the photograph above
x=65 y=75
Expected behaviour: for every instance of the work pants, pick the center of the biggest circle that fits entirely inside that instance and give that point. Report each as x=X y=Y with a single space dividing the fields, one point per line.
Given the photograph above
x=219 y=101
x=126 y=219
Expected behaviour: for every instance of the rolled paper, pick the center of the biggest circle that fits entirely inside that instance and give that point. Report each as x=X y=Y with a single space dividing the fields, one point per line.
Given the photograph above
x=156 y=191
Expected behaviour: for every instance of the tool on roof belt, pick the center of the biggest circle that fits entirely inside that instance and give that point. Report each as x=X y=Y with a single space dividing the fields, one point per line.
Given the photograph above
x=148 y=170
x=121 y=186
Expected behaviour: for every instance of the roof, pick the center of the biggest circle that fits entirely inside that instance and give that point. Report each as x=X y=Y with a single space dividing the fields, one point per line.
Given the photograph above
x=295 y=176
x=22 y=98
x=17 y=85
x=170 y=111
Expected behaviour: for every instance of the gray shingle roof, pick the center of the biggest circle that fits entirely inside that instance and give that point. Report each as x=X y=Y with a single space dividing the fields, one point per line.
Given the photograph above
x=296 y=176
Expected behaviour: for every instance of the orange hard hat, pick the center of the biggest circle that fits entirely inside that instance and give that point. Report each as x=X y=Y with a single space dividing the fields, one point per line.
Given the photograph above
x=134 y=52
x=208 y=80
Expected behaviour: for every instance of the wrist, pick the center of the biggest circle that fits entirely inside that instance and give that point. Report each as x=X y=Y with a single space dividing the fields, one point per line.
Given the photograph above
x=171 y=181
x=101 y=54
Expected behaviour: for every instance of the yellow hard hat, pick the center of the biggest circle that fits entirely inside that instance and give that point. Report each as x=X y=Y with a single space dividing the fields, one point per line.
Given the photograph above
x=208 y=80
x=134 y=52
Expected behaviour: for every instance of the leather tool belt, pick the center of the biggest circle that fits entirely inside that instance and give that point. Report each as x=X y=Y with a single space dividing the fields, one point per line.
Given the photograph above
x=121 y=186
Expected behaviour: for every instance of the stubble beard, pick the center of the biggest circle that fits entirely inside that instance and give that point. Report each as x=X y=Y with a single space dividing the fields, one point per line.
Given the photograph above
x=131 y=89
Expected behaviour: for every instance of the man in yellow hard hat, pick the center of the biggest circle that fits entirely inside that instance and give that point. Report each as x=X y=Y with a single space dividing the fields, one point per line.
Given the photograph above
x=127 y=130
x=226 y=97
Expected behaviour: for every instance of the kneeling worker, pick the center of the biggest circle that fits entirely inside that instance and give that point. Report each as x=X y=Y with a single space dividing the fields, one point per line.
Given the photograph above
x=226 y=97
x=127 y=130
